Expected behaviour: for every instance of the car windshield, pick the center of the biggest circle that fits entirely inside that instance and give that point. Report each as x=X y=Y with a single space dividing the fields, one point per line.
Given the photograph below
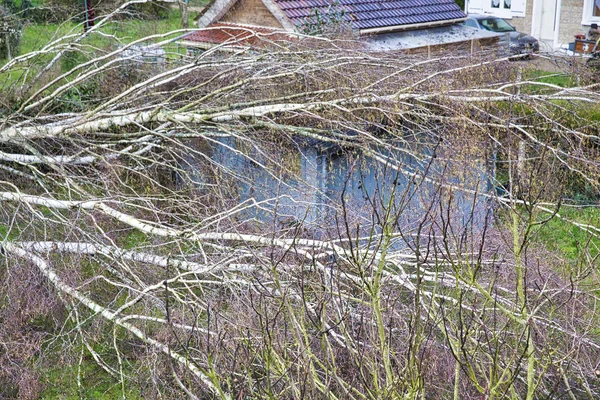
x=496 y=25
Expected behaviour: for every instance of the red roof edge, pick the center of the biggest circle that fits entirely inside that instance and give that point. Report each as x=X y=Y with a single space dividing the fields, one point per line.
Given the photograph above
x=237 y=35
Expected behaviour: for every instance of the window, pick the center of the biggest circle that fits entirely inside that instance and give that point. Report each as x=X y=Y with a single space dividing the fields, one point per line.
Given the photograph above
x=591 y=12
x=496 y=25
x=472 y=23
x=501 y=8
x=505 y=4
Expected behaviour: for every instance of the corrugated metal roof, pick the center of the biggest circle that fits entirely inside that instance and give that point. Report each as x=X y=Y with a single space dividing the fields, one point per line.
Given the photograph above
x=364 y=14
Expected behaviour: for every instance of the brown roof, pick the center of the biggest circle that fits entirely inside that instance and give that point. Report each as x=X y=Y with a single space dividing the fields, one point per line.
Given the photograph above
x=237 y=35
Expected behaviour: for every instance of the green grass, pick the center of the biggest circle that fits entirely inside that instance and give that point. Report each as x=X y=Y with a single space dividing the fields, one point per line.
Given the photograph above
x=568 y=239
x=134 y=239
x=111 y=36
x=6 y=232
x=36 y=36
x=61 y=383
x=590 y=112
x=559 y=79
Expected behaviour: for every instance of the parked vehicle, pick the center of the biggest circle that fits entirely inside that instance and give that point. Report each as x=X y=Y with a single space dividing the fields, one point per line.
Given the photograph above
x=519 y=43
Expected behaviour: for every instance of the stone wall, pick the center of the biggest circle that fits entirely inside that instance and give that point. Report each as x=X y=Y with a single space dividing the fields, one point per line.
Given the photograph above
x=570 y=20
x=523 y=24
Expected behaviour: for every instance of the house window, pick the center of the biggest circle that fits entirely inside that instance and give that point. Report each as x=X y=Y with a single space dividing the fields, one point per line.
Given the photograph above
x=501 y=4
x=500 y=8
x=591 y=12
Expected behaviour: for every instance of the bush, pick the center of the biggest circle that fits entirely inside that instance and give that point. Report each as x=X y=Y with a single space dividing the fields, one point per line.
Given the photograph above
x=11 y=29
x=146 y=11
x=59 y=11
x=151 y=11
x=50 y=15
x=50 y=12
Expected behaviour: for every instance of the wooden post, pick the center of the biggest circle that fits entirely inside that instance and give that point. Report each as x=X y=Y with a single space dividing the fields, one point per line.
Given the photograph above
x=183 y=8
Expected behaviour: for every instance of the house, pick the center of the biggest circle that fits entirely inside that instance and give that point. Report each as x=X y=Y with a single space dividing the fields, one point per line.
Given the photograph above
x=381 y=23
x=553 y=22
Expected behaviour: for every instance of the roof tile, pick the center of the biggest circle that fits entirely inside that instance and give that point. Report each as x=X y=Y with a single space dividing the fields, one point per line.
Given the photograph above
x=364 y=14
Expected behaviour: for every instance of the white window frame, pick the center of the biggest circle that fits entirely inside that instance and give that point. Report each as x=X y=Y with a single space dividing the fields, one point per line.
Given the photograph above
x=499 y=11
x=587 y=18
x=485 y=7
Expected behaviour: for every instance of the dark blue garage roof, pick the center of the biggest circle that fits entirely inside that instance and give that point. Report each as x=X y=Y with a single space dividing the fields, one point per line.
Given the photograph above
x=366 y=14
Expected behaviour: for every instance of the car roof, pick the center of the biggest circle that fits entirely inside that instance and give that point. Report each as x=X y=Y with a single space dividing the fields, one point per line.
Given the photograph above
x=482 y=16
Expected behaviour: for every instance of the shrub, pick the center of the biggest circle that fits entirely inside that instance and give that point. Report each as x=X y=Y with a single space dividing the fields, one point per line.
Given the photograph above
x=49 y=15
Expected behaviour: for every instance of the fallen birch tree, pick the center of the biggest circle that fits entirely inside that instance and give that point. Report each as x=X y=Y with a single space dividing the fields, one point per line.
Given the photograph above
x=132 y=240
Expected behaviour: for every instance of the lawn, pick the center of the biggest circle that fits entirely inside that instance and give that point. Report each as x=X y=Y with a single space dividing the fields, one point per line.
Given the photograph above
x=67 y=35
x=568 y=239
x=36 y=36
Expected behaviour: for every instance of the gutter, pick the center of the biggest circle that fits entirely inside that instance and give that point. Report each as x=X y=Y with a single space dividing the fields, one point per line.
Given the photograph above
x=395 y=28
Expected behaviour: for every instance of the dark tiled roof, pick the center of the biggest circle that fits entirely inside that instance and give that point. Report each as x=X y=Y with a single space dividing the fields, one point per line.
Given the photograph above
x=237 y=35
x=365 y=14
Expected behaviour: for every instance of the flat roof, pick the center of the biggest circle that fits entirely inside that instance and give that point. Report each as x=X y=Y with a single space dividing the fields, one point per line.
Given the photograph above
x=428 y=37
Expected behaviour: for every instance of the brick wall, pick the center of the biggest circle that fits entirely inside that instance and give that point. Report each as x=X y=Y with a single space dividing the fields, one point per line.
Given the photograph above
x=251 y=12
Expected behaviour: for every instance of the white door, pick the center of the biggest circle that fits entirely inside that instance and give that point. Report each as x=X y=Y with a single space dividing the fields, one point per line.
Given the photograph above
x=545 y=27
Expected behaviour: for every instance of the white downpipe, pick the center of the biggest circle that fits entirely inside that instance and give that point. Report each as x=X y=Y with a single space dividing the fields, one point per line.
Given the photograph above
x=535 y=9
x=558 y=7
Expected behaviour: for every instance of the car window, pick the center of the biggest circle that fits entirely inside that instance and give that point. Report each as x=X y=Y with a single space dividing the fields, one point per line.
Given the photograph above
x=496 y=25
x=472 y=23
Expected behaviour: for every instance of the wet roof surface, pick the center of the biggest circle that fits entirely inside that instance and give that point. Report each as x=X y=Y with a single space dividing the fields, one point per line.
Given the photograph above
x=431 y=37
x=365 y=14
